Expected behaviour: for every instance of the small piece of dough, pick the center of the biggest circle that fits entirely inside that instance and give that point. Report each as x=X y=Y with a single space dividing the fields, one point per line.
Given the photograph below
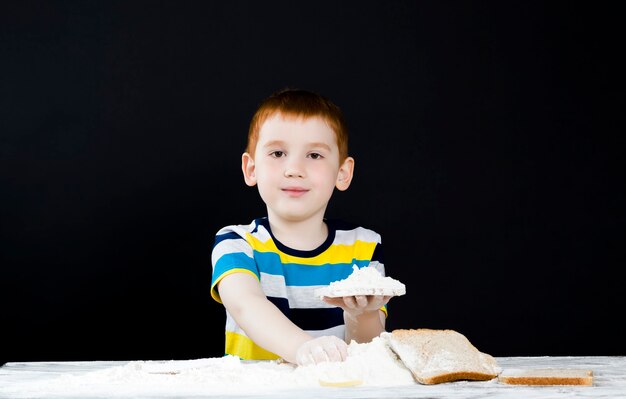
x=346 y=383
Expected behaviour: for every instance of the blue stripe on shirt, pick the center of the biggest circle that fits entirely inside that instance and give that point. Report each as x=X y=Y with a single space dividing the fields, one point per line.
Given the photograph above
x=234 y=260
x=305 y=275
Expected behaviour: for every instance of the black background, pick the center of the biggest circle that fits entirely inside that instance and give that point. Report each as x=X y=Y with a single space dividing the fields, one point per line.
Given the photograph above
x=489 y=146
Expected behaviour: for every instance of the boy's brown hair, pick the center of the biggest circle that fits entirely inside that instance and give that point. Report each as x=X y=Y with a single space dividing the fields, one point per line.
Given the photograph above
x=299 y=104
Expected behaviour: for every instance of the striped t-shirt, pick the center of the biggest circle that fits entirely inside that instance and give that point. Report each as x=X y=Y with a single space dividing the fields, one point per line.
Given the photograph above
x=289 y=277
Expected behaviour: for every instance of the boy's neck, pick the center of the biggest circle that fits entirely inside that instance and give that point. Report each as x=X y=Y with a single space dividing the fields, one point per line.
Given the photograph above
x=303 y=235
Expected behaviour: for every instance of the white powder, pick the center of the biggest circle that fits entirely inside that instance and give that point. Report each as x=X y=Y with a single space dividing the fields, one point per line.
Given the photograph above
x=363 y=281
x=373 y=364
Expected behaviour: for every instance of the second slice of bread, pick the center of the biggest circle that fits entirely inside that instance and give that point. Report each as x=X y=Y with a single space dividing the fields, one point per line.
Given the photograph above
x=548 y=376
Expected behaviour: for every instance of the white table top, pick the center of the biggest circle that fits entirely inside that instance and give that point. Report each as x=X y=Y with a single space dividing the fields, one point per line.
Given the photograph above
x=170 y=379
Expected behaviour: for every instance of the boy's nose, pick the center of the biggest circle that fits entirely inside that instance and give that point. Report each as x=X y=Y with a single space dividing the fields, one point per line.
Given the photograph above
x=294 y=169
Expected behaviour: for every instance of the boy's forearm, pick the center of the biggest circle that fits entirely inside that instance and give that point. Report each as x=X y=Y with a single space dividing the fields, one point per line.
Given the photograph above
x=364 y=327
x=262 y=321
x=269 y=328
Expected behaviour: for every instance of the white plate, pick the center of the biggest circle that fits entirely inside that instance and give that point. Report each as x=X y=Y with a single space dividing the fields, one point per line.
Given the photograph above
x=334 y=293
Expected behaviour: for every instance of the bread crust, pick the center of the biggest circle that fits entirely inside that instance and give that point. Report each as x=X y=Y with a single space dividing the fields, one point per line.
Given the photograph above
x=456 y=376
x=549 y=377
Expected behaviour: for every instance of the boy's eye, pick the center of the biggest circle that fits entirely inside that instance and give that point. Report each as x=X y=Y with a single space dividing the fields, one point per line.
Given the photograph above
x=315 y=155
x=277 y=154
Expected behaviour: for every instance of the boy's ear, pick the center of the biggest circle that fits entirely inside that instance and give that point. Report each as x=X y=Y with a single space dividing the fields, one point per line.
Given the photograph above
x=247 y=167
x=344 y=177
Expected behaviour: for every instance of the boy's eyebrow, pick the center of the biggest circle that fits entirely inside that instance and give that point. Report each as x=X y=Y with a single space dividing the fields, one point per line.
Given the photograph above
x=279 y=143
x=273 y=143
x=320 y=144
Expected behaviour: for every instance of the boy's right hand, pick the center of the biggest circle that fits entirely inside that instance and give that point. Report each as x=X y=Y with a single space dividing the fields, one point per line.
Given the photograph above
x=322 y=349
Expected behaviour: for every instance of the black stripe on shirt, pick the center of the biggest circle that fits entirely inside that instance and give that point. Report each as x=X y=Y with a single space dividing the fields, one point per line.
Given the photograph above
x=310 y=319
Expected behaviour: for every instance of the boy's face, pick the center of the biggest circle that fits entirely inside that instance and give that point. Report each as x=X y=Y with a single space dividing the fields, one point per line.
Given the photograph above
x=296 y=167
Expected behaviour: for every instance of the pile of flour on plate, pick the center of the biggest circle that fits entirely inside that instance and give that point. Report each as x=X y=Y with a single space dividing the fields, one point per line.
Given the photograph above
x=363 y=281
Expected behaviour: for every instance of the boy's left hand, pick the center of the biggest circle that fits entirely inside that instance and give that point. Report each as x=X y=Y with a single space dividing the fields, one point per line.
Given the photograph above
x=358 y=304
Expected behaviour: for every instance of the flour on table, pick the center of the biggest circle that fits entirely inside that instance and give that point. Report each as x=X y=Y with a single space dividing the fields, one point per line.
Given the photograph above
x=363 y=281
x=373 y=364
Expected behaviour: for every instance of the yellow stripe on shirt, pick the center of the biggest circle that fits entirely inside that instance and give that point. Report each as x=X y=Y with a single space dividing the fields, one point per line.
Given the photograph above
x=244 y=348
x=337 y=253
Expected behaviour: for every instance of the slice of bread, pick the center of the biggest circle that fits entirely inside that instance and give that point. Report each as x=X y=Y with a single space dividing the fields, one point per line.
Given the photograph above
x=437 y=356
x=547 y=376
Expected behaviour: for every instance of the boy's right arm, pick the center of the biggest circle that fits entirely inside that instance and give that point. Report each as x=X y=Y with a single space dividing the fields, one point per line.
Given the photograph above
x=269 y=328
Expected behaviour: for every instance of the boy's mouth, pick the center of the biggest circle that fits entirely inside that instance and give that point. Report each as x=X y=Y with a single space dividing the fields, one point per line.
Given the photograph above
x=295 y=191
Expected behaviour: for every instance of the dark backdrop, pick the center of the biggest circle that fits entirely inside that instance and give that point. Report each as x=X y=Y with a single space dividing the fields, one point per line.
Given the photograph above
x=489 y=145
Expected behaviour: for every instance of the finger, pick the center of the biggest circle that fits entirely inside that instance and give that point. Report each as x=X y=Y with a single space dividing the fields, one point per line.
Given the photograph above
x=378 y=301
x=305 y=359
x=334 y=355
x=350 y=302
x=374 y=301
x=337 y=350
x=319 y=354
x=335 y=301
x=361 y=300
x=343 y=349
x=309 y=359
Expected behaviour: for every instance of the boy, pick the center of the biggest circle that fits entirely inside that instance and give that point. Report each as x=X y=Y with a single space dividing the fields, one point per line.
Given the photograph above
x=265 y=273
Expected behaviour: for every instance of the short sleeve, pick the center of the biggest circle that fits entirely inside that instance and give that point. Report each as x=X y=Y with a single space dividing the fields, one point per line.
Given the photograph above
x=231 y=254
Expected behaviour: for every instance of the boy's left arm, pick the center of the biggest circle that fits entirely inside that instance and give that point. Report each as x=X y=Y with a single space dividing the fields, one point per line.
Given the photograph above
x=362 y=315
